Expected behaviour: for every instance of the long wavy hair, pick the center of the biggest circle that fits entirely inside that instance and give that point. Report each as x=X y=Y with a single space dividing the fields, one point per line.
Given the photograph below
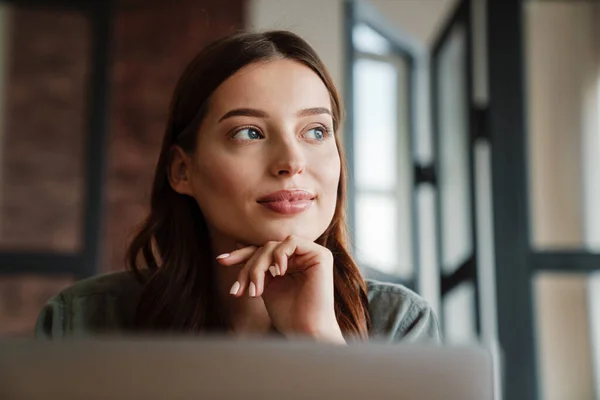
x=171 y=252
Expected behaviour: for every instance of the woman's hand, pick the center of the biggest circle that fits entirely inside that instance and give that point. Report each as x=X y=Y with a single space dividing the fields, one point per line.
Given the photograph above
x=295 y=280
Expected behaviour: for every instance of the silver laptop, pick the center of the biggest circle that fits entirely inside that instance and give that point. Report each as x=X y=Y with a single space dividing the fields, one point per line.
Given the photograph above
x=215 y=369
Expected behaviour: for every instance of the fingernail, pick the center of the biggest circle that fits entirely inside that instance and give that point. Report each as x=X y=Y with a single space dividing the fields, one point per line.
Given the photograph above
x=277 y=269
x=273 y=270
x=252 y=290
x=235 y=288
x=222 y=256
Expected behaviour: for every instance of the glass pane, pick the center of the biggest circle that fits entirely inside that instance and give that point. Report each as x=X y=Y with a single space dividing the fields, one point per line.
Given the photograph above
x=564 y=350
x=44 y=65
x=563 y=105
x=486 y=265
x=459 y=315
x=381 y=242
x=22 y=298
x=453 y=104
x=365 y=39
x=375 y=124
x=429 y=276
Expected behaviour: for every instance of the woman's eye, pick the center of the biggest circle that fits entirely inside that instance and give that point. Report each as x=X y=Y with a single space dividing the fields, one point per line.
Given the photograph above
x=247 y=134
x=316 y=134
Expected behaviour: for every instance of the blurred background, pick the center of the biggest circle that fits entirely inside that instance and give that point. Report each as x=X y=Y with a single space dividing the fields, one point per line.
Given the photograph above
x=472 y=135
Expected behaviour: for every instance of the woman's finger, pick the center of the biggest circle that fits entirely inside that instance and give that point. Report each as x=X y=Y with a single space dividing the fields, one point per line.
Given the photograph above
x=237 y=256
x=282 y=253
x=258 y=270
x=305 y=252
x=242 y=284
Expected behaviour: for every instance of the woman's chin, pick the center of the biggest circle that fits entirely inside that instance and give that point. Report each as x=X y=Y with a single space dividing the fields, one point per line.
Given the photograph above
x=280 y=235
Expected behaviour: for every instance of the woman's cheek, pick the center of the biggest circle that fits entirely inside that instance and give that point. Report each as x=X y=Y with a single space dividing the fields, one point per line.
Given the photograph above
x=330 y=170
x=217 y=187
x=221 y=175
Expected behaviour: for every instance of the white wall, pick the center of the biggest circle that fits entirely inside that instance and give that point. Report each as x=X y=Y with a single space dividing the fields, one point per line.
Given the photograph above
x=563 y=340
x=591 y=145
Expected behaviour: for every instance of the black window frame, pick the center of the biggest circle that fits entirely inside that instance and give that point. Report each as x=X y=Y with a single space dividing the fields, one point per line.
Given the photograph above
x=85 y=263
x=467 y=272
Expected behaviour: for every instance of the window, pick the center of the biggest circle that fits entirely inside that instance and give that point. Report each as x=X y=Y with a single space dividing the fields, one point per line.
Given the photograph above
x=381 y=156
x=54 y=73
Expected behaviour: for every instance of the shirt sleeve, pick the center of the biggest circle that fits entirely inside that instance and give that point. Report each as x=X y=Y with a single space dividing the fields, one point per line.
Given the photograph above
x=51 y=320
x=400 y=315
x=419 y=325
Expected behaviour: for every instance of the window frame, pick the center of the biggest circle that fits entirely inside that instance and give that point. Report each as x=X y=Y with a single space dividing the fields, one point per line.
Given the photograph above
x=467 y=272
x=100 y=14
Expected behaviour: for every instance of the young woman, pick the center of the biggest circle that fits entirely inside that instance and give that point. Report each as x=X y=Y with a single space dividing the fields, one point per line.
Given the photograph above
x=246 y=232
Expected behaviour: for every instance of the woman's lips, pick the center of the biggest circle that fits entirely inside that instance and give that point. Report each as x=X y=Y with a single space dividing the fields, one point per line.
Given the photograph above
x=287 y=202
x=287 y=207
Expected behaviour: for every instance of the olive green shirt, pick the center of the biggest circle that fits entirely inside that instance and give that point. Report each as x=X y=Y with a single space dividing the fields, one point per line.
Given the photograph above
x=106 y=305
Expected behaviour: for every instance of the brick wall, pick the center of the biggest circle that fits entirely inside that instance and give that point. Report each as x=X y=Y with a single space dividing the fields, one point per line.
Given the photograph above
x=41 y=196
x=42 y=135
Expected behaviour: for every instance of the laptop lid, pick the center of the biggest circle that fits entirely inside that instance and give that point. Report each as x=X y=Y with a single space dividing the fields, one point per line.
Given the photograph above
x=213 y=368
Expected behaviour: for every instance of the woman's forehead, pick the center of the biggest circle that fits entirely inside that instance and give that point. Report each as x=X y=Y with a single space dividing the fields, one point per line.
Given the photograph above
x=278 y=86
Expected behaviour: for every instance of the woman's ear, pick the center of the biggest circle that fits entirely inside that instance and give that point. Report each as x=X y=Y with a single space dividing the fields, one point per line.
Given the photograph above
x=179 y=171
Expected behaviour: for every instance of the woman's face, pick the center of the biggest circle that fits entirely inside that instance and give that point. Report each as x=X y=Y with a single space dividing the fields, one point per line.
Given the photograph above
x=266 y=163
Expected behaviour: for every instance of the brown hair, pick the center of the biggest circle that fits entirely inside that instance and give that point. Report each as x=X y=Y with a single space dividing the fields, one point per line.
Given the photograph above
x=180 y=291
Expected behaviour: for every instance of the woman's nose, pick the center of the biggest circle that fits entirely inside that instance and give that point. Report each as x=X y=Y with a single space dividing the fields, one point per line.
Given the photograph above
x=288 y=158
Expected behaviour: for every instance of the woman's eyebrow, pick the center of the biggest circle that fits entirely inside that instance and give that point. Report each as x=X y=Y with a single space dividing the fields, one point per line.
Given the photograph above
x=313 y=111
x=244 y=112
x=252 y=112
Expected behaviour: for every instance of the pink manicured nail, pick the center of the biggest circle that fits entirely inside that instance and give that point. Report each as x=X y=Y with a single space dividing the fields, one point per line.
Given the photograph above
x=235 y=288
x=222 y=256
x=252 y=290
x=273 y=270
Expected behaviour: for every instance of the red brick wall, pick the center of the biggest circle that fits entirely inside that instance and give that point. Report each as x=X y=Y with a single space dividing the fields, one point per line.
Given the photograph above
x=41 y=159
